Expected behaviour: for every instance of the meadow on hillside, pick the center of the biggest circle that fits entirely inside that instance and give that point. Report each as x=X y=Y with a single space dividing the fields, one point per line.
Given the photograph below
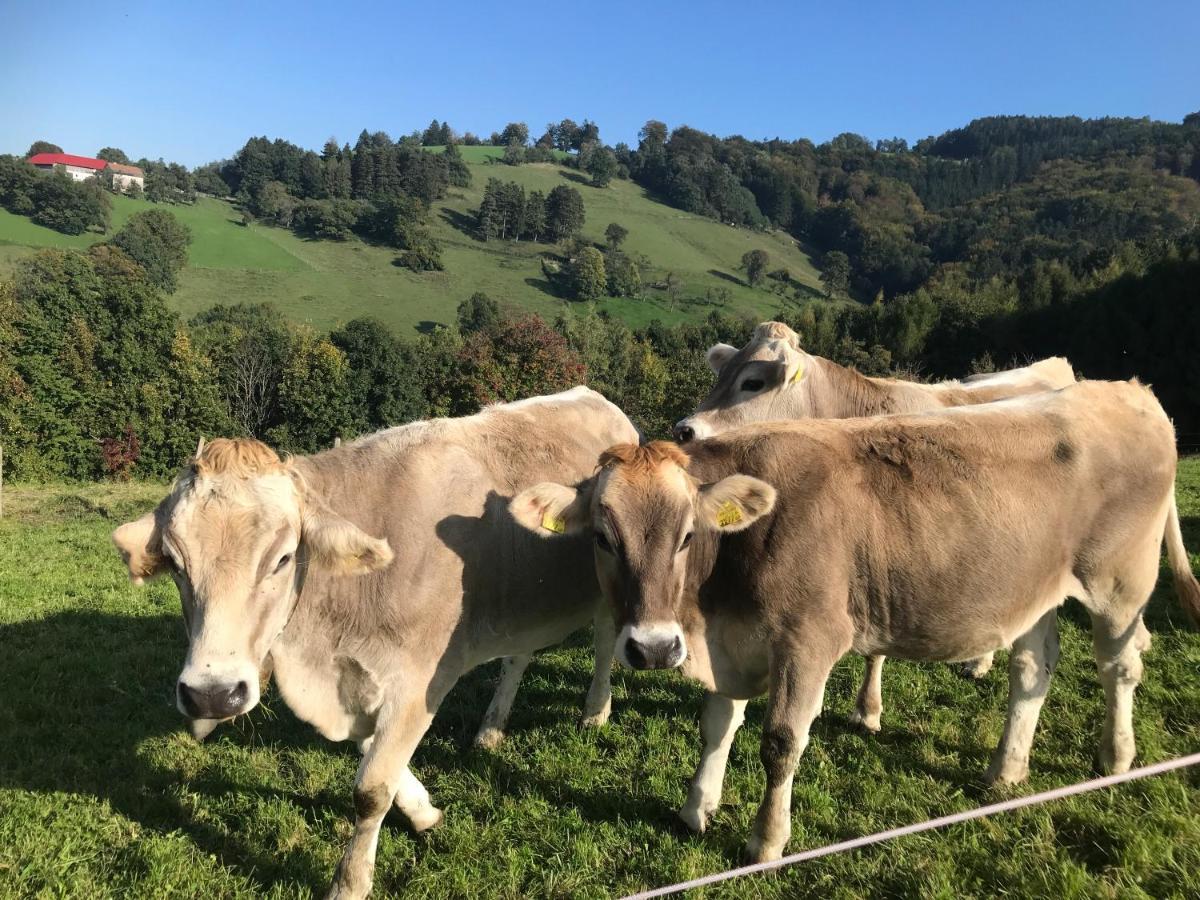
x=102 y=794
x=327 y=283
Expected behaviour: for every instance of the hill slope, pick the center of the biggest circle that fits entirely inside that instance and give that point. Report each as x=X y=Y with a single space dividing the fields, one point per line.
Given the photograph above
x=325 y=283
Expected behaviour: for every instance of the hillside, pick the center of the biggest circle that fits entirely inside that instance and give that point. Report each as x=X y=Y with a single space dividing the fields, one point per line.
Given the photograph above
x=326 y=283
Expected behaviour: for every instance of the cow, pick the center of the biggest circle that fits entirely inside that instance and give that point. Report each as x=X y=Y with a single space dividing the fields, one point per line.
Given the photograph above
x=773 y=378
x=369 y=578
x=758 y=558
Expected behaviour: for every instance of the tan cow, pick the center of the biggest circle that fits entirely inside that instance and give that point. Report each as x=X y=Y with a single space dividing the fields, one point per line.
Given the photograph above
x=261 y=549
x=761 y=557
x=773 y=378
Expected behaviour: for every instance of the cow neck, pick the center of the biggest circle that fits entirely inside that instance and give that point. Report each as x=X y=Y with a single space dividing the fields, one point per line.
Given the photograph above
x=850 y=394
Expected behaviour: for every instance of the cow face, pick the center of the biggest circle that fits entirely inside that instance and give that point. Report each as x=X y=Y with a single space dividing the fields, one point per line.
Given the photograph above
x=764 y=380
x=644 y=511
x=238 y=533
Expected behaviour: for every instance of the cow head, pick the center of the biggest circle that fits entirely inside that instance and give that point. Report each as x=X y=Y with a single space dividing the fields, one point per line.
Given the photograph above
x=238 y=533
x=766 y=379
x=643 y=509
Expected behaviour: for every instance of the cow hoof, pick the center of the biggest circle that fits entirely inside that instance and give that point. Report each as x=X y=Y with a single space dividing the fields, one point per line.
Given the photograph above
x=427 y=820
x=978 y=668
x=1111 y=764
x=868 y=723
x=599 y=720
x=1006 y=773
x=489 y=738
x=695 y=818
x=756 y=852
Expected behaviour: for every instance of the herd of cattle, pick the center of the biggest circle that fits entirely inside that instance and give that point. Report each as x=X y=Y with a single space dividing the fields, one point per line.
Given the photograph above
x=805 y=511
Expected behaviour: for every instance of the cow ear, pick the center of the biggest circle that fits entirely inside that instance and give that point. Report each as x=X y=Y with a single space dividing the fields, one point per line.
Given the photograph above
x=548 y=509
x=339 y=546
x=735 y=503
x=718 y=355
x=140 y=544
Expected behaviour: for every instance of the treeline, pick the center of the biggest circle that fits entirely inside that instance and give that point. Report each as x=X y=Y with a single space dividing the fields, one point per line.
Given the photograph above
x=995 y=198
x=98 y=378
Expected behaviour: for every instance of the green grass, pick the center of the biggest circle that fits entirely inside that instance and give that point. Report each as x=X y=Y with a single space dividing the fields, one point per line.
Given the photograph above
x=327 y=283
x=103 y=795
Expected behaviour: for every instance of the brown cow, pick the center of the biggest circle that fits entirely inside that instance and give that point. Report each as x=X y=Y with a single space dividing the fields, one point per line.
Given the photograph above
x=761 y=557
x=260 y=548
x=773 y=378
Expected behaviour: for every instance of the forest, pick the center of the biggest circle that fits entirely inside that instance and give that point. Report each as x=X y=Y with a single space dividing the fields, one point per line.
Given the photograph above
x=1005 y=240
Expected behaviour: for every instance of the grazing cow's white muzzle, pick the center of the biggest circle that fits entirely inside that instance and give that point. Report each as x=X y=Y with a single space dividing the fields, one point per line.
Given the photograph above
x=657 y=646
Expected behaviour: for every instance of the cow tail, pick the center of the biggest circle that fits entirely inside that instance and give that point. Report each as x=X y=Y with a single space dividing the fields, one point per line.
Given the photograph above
x=1186 y=587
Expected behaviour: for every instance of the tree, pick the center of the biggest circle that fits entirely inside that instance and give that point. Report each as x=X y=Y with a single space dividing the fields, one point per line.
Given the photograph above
x=535 y=215
x=479 y=312
x=514 y=154
x=158 y=242
x=43 y=147
x=457 y=171
x=835 y=274
x=514 y=133
x=384 y=380
x=588 y=279
x=314 y=399
x=113 y=154
x=622 y=276
x=432 y=136
x=564 y=212
x=70 y=206
x=755 y=263
x=614 y=235
x=602 y=167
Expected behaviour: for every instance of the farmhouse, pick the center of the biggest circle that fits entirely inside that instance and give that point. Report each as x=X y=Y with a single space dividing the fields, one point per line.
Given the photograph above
x=83 y=167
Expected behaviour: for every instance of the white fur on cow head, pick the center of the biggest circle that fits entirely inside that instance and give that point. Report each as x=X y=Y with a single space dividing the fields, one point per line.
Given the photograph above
x=238 y=532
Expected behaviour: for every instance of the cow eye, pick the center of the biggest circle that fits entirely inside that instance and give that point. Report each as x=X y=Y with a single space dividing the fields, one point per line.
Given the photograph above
x=283 y=561
x=687 y=539
x=602 y=542
x=752 y=385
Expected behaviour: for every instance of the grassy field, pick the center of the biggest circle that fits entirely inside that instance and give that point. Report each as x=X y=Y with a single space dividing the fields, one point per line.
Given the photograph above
x=326 y=283
x=103 y=795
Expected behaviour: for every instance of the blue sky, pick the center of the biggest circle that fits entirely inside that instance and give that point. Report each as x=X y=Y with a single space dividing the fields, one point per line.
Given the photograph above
x=191 y=85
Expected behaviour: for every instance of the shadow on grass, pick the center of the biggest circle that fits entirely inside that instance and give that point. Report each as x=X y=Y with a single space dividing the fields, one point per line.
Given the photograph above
x=575 y=177
x=725 y=276
x=460 y=222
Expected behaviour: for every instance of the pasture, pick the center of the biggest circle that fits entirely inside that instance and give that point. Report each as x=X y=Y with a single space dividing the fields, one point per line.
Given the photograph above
x=326 y=283
x=102 y=794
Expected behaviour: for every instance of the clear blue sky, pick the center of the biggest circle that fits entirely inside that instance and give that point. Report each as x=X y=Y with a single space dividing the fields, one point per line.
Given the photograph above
x=192 y=85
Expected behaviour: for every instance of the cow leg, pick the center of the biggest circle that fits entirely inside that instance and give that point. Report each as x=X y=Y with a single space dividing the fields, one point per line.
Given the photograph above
x=1030 y=665
x=384 y=778
x=495 y=720
x=598 y=706
x=797 y=686
x=1119 y=660
x=719 y=722
x=869 y=705
x=979 y=666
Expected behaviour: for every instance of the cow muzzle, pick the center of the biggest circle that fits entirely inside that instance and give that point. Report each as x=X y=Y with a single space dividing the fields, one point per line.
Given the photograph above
x=690 y=429
x=214 y=701
x=652 y=647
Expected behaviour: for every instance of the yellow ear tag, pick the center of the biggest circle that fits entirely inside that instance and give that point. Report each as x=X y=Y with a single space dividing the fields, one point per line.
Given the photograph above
x=728 y=514
x=799 y=374
x=553 y=523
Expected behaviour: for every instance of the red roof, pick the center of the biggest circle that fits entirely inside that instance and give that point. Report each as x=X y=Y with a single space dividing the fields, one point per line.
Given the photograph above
x=66 y=159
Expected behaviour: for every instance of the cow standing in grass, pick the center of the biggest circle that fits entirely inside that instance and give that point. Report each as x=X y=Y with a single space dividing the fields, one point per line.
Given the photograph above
x=762 y=556
x=773 y=378
x=262 y=551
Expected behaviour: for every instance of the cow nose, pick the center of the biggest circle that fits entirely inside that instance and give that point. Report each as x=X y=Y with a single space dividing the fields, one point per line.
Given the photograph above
x=218 y=702
x=683 y=432
x=663 y=654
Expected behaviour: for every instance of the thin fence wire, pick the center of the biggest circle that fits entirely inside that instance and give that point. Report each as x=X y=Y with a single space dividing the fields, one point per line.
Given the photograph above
x=917 y=827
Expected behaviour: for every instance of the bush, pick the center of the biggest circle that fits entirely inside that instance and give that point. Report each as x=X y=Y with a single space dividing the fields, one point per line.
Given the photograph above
x=158 y=242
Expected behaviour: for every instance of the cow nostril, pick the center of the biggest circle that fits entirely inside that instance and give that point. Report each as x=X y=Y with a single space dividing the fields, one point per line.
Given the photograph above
x=636 y=655
x=676 y=647
x=236 y=698
x=684 y=433
x=187 y=699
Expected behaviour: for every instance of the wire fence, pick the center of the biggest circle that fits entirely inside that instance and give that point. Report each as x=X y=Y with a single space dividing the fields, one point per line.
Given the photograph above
x=1071 y=790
